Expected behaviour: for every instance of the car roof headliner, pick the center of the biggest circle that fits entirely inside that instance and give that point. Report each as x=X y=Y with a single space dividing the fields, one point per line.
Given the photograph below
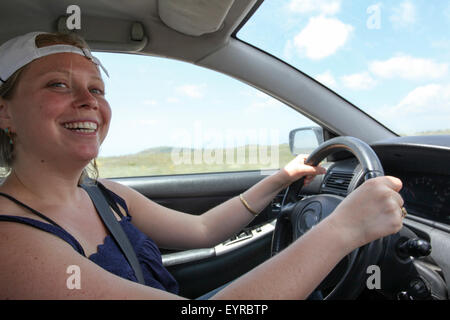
x=106 y=24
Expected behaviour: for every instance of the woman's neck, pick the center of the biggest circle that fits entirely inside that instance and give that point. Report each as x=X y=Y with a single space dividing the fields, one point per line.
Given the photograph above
x=44 y=182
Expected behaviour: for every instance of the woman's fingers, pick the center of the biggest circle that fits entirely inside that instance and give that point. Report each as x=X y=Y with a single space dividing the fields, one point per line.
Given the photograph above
x=297 y=169
x=393 y=182
x=372 y=211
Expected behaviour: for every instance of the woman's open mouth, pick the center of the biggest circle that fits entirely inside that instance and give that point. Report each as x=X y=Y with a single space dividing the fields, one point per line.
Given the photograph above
x=81 y=127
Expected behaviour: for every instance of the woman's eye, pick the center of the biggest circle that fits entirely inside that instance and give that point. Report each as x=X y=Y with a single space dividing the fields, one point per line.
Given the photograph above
x=57 y=85
x=97 y=91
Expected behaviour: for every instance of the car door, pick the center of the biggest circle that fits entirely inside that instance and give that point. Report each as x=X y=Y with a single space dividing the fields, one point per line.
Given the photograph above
x=190 y=139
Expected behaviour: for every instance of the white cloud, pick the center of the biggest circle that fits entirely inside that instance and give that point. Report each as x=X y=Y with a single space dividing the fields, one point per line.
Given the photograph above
x=359 y=81
x=327 y=79
x=425 y=108
x=425 y=99
x=322 y=37
x=192 y=90
x=404 y=15
x=407 y=67
x=322 y=6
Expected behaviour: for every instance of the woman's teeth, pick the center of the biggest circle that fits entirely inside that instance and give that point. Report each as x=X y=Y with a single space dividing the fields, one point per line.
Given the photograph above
x=86 y=127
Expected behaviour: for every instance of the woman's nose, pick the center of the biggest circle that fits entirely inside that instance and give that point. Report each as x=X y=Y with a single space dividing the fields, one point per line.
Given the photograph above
x=85 y=99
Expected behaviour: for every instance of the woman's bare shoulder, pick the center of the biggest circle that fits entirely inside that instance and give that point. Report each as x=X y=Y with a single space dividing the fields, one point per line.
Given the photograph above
x=132 y=197
x=118 y=188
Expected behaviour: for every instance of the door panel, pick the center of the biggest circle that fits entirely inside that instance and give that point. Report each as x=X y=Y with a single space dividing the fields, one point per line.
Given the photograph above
x=198 y=278
x=197 y=193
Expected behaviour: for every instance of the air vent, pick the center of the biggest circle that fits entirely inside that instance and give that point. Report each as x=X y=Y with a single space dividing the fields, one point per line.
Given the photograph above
x=337 y=182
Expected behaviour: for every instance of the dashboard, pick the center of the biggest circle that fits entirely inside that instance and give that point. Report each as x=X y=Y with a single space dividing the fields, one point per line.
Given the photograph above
x=427 y=195
x=423 y=165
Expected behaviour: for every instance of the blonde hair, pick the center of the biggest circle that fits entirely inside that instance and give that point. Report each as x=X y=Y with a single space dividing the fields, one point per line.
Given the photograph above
x=7 y=90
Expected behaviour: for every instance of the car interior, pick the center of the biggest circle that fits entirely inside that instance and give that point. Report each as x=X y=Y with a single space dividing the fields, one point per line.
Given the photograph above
x=414 y=263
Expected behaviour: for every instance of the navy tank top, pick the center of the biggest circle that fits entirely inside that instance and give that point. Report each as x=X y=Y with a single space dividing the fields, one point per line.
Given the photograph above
x=108 y=255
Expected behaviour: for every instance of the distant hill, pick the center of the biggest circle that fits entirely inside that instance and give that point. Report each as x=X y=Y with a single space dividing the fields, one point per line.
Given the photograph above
x=161 y=149
x=431 y=133
x=165 y=160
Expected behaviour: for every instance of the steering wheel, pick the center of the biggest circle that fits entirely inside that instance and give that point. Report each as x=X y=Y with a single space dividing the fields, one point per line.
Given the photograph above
x=348 y=278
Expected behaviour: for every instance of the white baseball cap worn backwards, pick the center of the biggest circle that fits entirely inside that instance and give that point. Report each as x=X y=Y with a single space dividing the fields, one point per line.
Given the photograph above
x=21 y=50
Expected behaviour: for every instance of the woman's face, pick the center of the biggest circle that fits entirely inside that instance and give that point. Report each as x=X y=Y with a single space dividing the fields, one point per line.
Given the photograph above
x=58 y=110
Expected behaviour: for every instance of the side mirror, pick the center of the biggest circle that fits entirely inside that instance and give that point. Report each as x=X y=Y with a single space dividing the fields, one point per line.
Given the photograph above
x=304 y=140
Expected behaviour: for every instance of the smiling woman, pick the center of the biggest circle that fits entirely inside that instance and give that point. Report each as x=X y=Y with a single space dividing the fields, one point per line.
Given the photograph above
x=56 y=79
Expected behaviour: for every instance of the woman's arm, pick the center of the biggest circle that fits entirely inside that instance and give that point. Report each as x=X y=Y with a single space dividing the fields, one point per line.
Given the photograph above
x=173 y=229
x=232 y=215
x=369 y=213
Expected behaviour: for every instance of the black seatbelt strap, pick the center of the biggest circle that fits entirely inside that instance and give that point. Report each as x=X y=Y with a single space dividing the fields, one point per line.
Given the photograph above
x=114 y=227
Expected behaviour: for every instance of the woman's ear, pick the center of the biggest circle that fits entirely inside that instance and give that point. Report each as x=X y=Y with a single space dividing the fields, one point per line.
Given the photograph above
x=5 y=116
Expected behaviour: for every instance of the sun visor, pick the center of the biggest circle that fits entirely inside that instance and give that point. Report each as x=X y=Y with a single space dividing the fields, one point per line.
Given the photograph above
x=194 y=17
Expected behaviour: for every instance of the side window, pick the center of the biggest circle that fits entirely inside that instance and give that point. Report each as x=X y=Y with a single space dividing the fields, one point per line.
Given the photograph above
x=171 y=117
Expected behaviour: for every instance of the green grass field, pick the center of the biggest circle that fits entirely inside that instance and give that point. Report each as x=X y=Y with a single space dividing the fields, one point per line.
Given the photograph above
x=430 y=133
x=168 y=161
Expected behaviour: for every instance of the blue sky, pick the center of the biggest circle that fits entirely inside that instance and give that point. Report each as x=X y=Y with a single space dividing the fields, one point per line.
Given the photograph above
x=389 y=58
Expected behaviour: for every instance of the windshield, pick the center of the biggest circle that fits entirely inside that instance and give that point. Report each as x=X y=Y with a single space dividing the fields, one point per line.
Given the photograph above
x=390 y=59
